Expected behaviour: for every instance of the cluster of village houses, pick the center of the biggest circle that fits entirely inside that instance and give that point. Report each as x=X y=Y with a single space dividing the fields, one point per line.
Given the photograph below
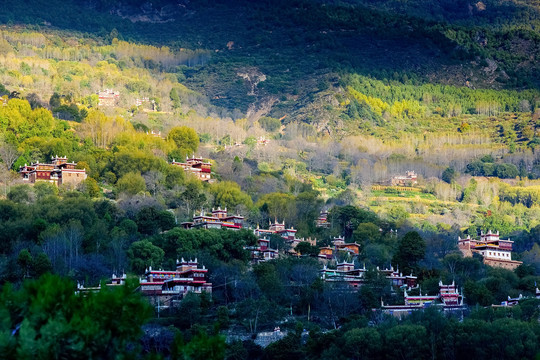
x=165 y=288
x=60 y=172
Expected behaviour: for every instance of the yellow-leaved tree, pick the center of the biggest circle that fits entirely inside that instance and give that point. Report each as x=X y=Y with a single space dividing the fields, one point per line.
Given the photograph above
x=185 y=140
x=101 y=129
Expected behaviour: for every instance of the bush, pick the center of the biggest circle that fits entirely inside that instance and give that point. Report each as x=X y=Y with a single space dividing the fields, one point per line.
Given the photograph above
x=269 y=124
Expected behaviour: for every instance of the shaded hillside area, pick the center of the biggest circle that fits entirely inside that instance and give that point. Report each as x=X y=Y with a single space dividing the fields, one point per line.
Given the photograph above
x=282 y=54
x=490 y=13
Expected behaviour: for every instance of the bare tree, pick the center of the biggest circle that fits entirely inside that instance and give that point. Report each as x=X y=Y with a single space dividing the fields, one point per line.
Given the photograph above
x=153 y=181
x=74 y=236
x=118 y=248
x=9 y=154
x=54 y=246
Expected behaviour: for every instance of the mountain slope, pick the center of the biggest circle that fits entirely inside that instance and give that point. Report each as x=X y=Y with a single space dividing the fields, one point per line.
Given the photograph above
x=290 y=58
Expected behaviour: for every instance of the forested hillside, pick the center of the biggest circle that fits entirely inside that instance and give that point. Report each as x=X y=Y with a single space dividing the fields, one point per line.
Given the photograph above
x=398 y=125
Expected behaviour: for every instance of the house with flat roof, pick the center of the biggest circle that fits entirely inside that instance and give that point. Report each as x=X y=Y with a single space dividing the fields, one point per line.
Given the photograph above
x=339 y=244
x=58 y=172
x=262 y=251
x=166 y=288
x=448 y=299
x=495 y=252
x=322 y=220
x=196 y=166
x=217 y=219
x=410 y=178
x=346 y=272
x=108 y=97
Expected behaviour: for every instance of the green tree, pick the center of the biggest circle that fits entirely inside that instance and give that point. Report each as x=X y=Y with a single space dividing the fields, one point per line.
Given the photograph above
x=131 y=183
x=411 y=249
x=287 y=348
x=506 y=171
x=476 y=168
x=143 y=254
x=90 y=188
x=347 y=218
x=126 y=161
x=55 y=101
x=269 y=124
x=46 y=319
x=193 y=197
x=366 y=232
x=185 y=139
x=365 y=343
x=150 y=220
x=269 y=281
x=449 y=175
x=20 y=193
x=478 y=293
x=45 y=189
x=25 y=260
x=174 y=176
x=223 y=317
x=201 y=347
x=175 y=99
x=236 y=351
x=305 y=248
x=41 y=265
x=189 y=312
x=228 y=194
x=407 y=342
x=376 y=287
x=398 y=214
x=487 y=159
x=488 y=169
x=279 y=206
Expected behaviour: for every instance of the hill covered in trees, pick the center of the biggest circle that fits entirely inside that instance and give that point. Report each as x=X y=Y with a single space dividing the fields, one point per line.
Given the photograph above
x=347 y=94
x=305 y=46
x=298 y=106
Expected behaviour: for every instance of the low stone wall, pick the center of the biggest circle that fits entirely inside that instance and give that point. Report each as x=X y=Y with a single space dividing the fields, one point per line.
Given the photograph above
x=510 y=265
x=263 y=339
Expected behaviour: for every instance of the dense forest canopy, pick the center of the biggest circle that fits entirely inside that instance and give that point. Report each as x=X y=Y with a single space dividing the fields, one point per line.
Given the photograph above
x=398 y=125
